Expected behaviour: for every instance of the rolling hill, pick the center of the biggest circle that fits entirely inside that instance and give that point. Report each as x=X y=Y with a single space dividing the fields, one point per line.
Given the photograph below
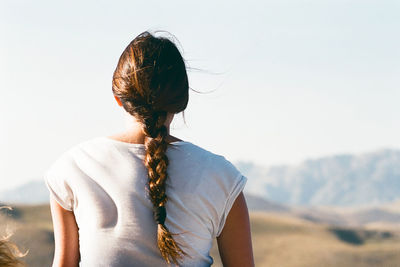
x=278 y=240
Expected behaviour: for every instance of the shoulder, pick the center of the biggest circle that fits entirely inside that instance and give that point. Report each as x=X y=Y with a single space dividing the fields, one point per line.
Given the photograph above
x=67 y=158
x=63 y=175
x=213 y=168
x=213 y=160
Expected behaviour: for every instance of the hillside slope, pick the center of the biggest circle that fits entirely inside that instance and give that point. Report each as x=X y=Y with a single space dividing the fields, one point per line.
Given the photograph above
x=278 y=240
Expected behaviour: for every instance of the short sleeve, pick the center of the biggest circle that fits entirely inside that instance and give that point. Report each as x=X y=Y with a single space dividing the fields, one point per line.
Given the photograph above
x=238 y=186
x=59 y=189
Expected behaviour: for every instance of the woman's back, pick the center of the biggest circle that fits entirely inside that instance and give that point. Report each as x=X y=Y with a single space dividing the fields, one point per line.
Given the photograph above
x=104 y=182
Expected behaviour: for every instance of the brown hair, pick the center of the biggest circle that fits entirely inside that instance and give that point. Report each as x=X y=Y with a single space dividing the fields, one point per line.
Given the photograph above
x=151 y=81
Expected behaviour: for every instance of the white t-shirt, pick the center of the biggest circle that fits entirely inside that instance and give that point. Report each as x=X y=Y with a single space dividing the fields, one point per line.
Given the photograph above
x=103 y=181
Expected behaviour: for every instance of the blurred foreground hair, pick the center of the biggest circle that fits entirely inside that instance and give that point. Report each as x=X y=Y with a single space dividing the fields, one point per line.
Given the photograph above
x=9 y=252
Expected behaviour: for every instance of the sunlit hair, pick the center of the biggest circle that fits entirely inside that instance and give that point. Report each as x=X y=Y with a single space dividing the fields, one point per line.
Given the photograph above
x=9 y=252
x=151 y=81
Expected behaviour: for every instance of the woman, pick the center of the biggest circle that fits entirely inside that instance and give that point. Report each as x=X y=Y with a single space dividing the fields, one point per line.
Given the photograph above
x=144 y=197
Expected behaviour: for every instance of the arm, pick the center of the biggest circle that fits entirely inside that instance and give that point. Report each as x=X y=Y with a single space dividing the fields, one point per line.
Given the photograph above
x=234 y=242
x=65 y=235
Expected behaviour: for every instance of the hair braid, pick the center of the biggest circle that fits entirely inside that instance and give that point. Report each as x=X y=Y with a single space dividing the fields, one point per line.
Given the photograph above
x=156 y=162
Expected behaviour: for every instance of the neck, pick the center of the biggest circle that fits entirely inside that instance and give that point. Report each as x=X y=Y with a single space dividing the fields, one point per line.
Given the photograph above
x=134 y=132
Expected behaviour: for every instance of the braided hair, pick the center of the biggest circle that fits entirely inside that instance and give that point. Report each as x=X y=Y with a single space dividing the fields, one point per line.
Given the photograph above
x=151 y=81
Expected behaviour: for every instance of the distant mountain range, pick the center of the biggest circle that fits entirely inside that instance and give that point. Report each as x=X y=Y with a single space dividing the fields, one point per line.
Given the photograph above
x=342 y=180
x=33 y=192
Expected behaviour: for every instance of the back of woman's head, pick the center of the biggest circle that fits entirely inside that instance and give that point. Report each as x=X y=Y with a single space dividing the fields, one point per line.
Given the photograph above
x=151 y=81
x=151 y=77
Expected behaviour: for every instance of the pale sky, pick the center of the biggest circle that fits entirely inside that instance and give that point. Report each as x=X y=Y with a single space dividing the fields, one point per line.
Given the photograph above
x=297 y=79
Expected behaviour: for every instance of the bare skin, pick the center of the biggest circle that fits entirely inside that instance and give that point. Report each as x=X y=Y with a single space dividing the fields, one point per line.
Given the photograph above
x=66 y=236
x=234 y=242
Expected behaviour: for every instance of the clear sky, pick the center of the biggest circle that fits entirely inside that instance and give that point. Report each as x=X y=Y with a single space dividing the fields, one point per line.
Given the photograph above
x=294 y=79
